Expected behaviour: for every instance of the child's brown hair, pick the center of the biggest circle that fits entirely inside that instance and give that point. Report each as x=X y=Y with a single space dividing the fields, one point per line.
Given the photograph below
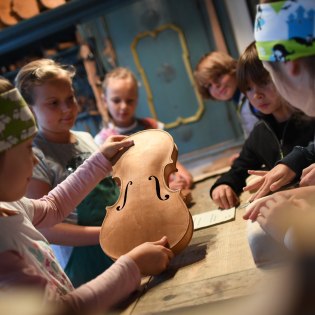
x=210 y=67
x=36 y=73
x=250 y=69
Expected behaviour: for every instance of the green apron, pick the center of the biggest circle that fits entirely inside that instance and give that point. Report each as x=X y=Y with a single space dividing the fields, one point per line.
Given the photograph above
x=87 y=262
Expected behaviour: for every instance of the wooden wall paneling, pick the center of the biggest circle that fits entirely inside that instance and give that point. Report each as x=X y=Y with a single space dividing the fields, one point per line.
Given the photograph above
x=51 y=4
x=25 y=9
x=215 y=25
x=7 y=17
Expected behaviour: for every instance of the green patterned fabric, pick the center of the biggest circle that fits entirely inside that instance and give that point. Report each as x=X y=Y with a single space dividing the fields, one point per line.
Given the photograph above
x=17 y=122
x=284 y=30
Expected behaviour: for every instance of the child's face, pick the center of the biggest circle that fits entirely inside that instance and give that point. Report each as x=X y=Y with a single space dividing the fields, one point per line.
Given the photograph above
x=121 y=99
x=16 y=168
x=223 y=88
x=297 y=87
x=264 y=98
x=55 y=106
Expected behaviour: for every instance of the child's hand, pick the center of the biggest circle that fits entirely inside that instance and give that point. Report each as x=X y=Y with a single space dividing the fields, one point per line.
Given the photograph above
x=275 y=216
x=177 y=182
x=225 y=197
x=187 y=177
x=290 y=208
x=308 y=176
x=271 y=181
x=253 y=210
x=152 y=257
x=114 y=147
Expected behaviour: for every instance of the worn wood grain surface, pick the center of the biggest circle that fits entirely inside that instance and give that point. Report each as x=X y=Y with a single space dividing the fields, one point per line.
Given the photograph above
x=216 y=266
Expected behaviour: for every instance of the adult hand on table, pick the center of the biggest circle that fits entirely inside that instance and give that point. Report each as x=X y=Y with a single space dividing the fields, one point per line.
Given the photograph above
x=271 y=181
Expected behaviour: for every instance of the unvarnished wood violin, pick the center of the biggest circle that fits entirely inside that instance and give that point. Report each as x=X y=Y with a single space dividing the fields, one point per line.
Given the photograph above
x=147 y=209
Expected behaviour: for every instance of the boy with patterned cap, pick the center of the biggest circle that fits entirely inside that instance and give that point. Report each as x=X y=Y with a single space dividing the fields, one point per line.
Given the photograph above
x=284 y=32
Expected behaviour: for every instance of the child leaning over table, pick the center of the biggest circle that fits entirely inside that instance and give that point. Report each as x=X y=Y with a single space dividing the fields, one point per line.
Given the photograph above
x=26 y=260
x=281 y=127
x=293 y=72
x=288 y=216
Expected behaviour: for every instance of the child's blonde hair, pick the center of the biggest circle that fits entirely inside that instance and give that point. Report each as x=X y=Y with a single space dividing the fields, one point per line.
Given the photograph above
x=119 y=73
x=210 y=67
x=38 y=72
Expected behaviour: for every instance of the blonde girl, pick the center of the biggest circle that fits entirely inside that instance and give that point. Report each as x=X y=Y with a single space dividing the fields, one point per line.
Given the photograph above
x=47 y=87
x=120 y=95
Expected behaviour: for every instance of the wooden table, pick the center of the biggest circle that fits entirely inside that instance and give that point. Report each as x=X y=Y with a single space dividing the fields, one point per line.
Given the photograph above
x=216 y=266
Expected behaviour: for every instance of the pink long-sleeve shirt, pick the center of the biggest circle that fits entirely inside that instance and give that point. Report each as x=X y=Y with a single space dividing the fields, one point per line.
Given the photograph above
x=26 y=258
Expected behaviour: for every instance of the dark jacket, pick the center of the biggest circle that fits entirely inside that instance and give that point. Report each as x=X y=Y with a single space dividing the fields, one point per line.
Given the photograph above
x=300 y=158
x=268 y=143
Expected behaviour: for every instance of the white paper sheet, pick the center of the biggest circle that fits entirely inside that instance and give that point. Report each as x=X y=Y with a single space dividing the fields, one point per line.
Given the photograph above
x=213 y=217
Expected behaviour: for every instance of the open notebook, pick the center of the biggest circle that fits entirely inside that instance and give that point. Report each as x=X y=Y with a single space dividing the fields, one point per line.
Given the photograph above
x=213 y=217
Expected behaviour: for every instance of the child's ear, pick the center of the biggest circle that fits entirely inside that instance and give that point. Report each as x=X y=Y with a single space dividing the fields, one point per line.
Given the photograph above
x=293 y=67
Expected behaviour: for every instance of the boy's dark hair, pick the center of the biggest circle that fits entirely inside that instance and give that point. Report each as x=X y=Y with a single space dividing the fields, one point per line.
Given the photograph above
x=250 y=69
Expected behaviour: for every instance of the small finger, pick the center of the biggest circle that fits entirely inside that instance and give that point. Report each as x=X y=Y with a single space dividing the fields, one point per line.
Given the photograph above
x=262 y=192
x=254 y=185
x=278 y=185
x=254 y=214
x=224 y=202
x=231 y=200
x=258 y=173
x=115 y=138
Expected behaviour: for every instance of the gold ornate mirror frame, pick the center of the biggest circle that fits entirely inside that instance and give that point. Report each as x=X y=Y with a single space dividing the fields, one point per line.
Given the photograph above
x=185 y=56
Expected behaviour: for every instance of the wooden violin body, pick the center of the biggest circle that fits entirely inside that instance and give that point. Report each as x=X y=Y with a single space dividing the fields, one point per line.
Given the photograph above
x=147 y=209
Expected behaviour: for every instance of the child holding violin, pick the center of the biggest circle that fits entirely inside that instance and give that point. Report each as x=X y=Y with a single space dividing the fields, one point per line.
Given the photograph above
x=120 y=96
x=47 y=87
x=27 y=260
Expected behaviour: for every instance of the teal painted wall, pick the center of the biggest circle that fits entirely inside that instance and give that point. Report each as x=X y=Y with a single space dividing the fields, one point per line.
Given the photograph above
x=161 y=59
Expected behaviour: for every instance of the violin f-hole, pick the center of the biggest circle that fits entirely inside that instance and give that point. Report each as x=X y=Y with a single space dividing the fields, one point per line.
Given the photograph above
x=157 y=188
x=125 y=196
